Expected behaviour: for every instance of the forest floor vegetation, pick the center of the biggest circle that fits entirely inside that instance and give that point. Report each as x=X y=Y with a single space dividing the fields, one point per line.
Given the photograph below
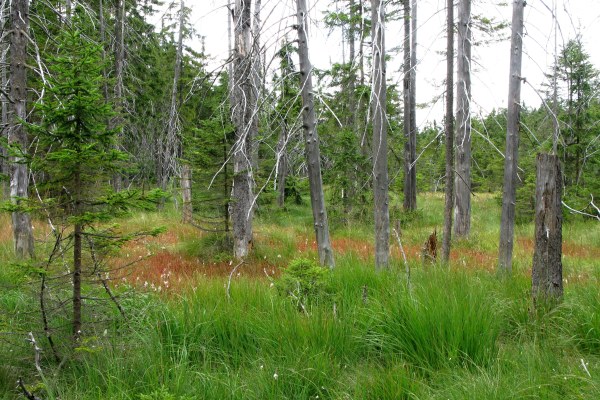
x=279 y=327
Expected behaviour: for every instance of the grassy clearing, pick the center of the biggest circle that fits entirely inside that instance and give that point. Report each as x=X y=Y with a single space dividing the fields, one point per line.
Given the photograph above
x=458 y=334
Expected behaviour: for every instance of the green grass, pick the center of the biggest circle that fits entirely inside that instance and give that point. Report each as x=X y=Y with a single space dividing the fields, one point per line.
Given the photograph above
x=456 y=334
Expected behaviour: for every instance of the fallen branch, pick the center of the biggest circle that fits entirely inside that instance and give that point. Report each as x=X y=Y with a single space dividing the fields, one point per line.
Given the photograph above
x=26 y=392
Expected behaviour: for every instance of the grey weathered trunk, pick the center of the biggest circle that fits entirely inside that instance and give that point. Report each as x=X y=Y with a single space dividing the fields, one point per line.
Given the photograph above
x=19 y=173
x=352 y=77
x=462 y=181
x=4 y=166
x=413 y=101
x=410 y=176
x=119 y=70
x=257 y=86
x=311 y=138
x=282 y=164
x=172 y=146
x=349 y=192
x=507 y=224
x=77 y=259
x=546 y=275
x=102 y=23
x=243 y=108
x=449 y=122
x=378 y=111
x=186 y=193
x=256 y=77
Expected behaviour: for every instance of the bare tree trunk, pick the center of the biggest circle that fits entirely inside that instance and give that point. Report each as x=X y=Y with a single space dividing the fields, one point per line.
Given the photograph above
x=462 y=181
x=449 y=189
x=77 y=272
x=282 y=164
x=410 y=176
x=349 y=192
x=311 y=137
x=172 y=148
x=413 y=102
x=119 y=67
x=19 y=173
x=102 y=24
x=243 y=107
x=186 y=193
x=546 y=275
x=257 y=79
x=4 y=167
x=380 y=167
x=512 y=141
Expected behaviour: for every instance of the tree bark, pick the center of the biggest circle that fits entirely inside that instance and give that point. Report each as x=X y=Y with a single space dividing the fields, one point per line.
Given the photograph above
x=311 y=138
x=546 y=275
x=413 y=101
x=4 y=166
x=449 y=189
x=186 y=193
x=119 y=68
x=512 y=141
x=282 y=164
x=77 y=251
x=19 y=173
x=243 y=108
x=172 y=148
x=410 y=176
x=462 y=181
x=380 y=167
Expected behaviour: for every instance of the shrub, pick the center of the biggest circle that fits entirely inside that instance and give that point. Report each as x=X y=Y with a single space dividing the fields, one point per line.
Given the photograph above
x=305 y=282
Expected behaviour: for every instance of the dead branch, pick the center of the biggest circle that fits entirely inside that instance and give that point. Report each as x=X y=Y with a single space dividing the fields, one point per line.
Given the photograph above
x=230 y=276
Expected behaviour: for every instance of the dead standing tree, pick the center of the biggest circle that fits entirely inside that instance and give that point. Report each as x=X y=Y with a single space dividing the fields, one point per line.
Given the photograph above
x=243 y=104
x=410 y=135
x=546 y=275
x=171 y=148
x=449 y=122
x=380 y=167
x=19 y=172
x=462 y=181
x=311 y=138
x=507 y=225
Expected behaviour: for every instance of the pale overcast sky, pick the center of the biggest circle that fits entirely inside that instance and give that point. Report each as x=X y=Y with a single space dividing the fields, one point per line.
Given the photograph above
x=490 y=81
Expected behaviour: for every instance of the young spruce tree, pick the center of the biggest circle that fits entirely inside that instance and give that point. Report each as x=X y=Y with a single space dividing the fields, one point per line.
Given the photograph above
x=77 y=158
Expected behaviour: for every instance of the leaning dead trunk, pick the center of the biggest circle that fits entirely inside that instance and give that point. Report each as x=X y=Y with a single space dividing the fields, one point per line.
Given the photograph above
x=19 y=173
x=311 y=138
x=546 y=275
x=380 y=167
x=462 y=181
x=243 y=108
x=507 y=225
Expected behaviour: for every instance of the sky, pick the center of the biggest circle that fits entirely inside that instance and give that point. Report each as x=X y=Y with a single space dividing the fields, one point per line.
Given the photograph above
x=490 y=60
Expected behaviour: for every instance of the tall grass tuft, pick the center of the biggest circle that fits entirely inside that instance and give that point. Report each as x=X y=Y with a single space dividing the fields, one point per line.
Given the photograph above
x=447 y=320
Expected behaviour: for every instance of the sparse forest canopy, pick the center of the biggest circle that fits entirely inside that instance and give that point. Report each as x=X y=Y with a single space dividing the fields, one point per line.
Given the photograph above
x=244 y=198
